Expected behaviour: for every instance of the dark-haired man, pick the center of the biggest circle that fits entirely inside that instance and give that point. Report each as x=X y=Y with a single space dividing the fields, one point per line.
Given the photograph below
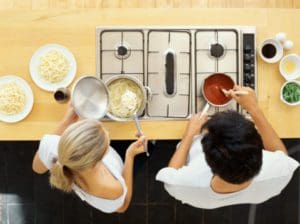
x=231 y=162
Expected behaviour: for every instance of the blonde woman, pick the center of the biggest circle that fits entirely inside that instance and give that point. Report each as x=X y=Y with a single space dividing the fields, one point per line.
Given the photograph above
x=80 y=159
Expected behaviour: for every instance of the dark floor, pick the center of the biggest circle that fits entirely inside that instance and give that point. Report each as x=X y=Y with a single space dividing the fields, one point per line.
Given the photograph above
x=27 y=198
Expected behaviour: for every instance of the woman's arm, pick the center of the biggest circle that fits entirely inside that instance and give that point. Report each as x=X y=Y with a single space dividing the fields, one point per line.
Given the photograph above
x=134 y=149
x=69 y=118
x=37 y=165
x=269 y=137
x=193 y=128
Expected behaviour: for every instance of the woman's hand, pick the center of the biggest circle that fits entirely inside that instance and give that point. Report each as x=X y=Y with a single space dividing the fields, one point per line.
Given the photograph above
x=70 y=116
x=195 y=123
x=136 y=147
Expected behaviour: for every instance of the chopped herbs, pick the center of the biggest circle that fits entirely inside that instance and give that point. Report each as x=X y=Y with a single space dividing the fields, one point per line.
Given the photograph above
x=291 y=92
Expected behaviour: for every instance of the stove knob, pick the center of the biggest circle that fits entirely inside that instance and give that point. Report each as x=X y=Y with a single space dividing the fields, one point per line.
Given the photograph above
x=246 y=83
x=247 y=48
x=247 y=77
x=247 y=67
x=247 y=57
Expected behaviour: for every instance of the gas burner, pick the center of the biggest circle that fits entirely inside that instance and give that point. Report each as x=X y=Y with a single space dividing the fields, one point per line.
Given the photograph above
x=122 y=51
x=217 y=50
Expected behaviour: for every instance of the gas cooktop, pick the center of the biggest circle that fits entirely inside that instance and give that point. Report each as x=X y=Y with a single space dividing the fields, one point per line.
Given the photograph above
x=174 y=61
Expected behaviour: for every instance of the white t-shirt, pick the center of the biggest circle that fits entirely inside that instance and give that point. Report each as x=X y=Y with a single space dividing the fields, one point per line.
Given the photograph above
x=191 y=183
x=48 y=152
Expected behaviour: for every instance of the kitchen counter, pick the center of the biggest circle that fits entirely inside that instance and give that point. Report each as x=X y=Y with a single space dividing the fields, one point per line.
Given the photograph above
x=22 y=32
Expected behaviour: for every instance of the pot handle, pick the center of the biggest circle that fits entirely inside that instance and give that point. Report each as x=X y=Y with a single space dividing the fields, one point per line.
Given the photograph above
x=149 y=93
x=205 y=109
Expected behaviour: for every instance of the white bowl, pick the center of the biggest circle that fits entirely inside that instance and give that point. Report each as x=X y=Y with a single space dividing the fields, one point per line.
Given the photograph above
x=281 y=93
x=279 y=50
x=294 y=58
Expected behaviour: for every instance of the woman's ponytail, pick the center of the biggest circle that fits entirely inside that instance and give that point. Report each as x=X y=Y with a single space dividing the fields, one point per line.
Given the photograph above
x=61 y=178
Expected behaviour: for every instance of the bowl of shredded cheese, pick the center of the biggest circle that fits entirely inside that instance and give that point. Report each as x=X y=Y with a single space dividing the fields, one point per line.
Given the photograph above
x=52 y=66
x=126 y=97
x=16 y=99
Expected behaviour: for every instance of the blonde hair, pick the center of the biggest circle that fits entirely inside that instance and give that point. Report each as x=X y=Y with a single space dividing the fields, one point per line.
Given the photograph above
x=82 y=145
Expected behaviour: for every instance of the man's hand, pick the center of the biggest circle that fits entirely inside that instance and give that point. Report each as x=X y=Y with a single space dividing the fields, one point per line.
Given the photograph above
x=269 y=137
x=249 y=101
x=195 y=123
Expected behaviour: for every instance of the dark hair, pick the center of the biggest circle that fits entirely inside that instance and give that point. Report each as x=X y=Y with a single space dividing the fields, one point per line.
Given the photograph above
x=232 y=147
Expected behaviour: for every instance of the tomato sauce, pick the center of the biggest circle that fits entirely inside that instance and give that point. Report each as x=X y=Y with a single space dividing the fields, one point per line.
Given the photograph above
x=213 y=86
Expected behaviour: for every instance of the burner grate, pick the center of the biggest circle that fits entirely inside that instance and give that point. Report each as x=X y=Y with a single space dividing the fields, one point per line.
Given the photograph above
x=207 y=64
x=124 y=54
x=164 y=104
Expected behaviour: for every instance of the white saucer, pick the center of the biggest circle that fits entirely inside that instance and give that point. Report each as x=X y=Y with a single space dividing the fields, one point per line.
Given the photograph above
x=34 y=64
x=29 y=99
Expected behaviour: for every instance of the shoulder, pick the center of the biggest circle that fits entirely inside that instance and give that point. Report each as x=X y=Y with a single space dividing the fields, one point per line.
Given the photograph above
x=111 y=189
x=277 y=164
x=49 y=143
x=196 y=173
x=48 y=148
x=269 y=158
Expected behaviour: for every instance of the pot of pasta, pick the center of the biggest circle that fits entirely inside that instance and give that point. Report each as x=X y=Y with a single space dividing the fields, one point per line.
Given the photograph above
x=127 y=96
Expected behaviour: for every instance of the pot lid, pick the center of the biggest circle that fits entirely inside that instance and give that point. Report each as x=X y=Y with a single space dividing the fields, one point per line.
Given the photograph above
x=90 y=98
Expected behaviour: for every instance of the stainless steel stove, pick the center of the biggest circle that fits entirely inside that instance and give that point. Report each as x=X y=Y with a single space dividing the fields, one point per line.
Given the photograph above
x=174 y=61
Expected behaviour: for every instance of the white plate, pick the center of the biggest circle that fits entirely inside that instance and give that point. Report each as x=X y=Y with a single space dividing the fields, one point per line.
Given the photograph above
x=35 y=61
x=29 y=99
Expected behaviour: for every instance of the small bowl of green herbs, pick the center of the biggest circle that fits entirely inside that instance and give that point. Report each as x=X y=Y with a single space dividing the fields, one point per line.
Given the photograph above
x=290 y=93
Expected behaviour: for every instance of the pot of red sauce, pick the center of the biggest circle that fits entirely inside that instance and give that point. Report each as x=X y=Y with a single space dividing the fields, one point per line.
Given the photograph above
x=212 y=89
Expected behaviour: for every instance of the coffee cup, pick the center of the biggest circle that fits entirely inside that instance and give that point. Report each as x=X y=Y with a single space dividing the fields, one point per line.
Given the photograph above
x=271 y=51
x=62 y=95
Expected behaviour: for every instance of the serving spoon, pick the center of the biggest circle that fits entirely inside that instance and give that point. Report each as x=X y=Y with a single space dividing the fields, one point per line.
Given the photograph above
x=139 y=129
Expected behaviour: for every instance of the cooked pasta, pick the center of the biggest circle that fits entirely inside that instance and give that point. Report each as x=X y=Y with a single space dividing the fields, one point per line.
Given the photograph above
x=125 y=98
x=12 y=98
x=53 y=67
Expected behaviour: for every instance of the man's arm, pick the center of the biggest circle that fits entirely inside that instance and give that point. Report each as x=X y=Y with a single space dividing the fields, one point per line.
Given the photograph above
x=193 y=128
x=269 y=137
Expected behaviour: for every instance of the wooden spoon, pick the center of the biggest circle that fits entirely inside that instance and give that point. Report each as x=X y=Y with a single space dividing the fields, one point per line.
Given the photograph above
x=237 y=92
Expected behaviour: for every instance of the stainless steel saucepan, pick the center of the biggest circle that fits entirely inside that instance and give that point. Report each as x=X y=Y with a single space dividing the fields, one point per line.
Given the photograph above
x=212 y=90
x=147 y=94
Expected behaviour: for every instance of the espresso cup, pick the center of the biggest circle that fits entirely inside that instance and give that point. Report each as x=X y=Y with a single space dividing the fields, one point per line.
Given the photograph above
x=271 y=51
x=62 y=95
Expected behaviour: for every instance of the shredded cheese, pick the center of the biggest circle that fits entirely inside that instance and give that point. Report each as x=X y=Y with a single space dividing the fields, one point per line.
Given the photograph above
x=53 y=67
x=12 y=98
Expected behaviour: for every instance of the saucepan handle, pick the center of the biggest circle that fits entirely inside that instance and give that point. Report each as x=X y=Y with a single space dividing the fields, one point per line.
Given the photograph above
x=205 y=109
x=149 y=93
